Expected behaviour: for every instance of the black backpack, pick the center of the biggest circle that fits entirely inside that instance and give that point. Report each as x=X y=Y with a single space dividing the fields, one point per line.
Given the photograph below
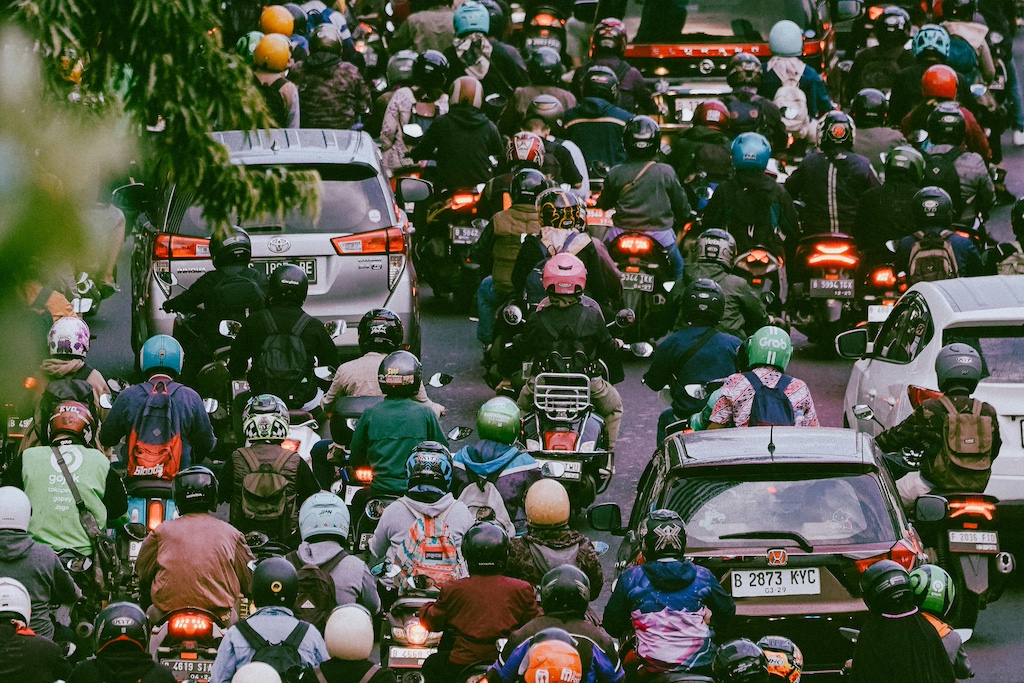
x=235 y=296
x=73 y=387
x=284 y=656
x=317 y=596
x=283 y=361
x=771 y=405
x=940 y=171
x=274 y=98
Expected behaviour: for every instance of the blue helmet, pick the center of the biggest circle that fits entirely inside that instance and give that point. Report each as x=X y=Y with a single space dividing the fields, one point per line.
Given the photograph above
x=786 y=39
x=324 y=514
x=932 y=37
x=471 y=17
x=429 y=467
x=751 y=150
x=161 y=352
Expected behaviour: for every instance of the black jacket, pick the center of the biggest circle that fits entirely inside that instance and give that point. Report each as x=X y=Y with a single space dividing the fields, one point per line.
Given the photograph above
x=702 y=150
x=121 y=663
x=911 y=641
x=884 y=213
x=224 y=293
x=596 y=127
x=831 y=185
x=462 y=142
x=30 y=659
x=755 y=209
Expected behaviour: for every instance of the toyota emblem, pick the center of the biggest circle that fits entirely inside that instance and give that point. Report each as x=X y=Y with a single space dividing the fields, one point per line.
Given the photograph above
x=777 y=557
x=279 y=245
x=706 y=66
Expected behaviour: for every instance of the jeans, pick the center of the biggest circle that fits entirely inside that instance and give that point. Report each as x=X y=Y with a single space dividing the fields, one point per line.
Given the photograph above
x=1016 y=99
x=667 y=239
x=487 y=308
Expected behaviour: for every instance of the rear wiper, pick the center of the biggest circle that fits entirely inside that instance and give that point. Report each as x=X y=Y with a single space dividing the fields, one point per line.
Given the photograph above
x=804 y=544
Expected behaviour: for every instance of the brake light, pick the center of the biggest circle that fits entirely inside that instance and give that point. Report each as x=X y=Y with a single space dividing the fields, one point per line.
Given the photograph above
x=758 y=256
x=813 y=47
x=155 y=514
x=883 y=276
x=463 y=199
x=875 y=12
x=30 y=383
x=389 y=240
x=416 y=633
x=545 y=20
x=973 y=507
x=560 y=441
x=363 y=474
x=919 y=395
x=178 y=247
x=832 y=254
x=635 y=244
x=290 y=445
x=901 y=553
x=190 y=624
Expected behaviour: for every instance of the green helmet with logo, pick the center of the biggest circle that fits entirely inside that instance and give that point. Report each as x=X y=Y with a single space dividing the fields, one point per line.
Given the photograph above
x=933 y=589
x=770 y=345
x=499 y=420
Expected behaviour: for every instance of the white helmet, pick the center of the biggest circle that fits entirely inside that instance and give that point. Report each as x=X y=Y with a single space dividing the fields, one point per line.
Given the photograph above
x=349 y=633
x=256 y=672
x=324 y=514
x=14 y=598
x=15 y=510
x=265 y=418
x=69 y=337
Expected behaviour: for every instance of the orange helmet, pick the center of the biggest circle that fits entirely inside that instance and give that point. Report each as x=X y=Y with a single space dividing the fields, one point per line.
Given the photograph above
x=277 y=19
x=552 y=661
x=71 y=419
x=272 y=53
x=939 y=82
x=711 y=114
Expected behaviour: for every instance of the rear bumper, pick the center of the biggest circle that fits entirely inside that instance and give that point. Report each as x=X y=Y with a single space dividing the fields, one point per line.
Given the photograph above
x=824 y=648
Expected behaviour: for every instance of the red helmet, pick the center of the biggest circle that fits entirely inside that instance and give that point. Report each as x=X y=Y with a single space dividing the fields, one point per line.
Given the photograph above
x=711 y=114
x=564 y=274
x=939 y=82
x=609 y=37
x=71 y=419
x=525 y=149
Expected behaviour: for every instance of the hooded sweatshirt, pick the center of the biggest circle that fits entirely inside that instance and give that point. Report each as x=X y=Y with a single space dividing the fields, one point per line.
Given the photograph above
x=397 y=520
x=37 y=567
x=596 y=126
x=353 y=582
x=28 y=658
x=909 y=640
x=462 y=142
x=516 y=472
x=121 y=663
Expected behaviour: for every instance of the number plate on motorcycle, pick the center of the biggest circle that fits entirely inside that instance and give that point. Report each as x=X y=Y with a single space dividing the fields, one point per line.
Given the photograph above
x=832 y=289
x=599 y=218
x=640 y=281
x=409 y=655
x=308 y=265
x=768 y=583
x=986 y=542
x=197 y=669
x=465 y=235
x=364 y=541
x=133 y=549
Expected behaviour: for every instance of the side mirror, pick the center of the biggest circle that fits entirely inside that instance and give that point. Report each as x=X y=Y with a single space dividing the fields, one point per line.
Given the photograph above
x=605 y=517
x=229 y=328
x=846 y=66
x=600 y=548
x=513 y=315
x=863 y=412
x=930 y=508
x=438 y=380
x=117 y=385
x=136 y=530
x=669 y=285
x=210 y=405
x=460 y=433
x=642 y=349
x=106 y=401
x=851 y=634
x=696 y=391
x=81 y=306
x=767 y=298
x=848 y=9
x=335 y=328
x=412 y=190
x=978 y=90
x=853 y=344
x=585 y=11
x=891 y=245
x=132 y=198
x=625 y=317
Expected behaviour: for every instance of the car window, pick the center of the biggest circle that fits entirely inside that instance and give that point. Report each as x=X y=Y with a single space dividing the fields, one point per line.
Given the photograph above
x=648 y=490
x=905 y=333
x=825 y=509
x=1001 y=348
x=672 y=21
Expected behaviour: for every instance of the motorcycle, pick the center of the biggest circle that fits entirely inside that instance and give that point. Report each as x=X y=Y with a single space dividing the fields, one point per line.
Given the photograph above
x=189 y=639
x=646 y=281
x=405 y=643
x=442 y=248
x=150 y=504
x=763 y=272
x=823 y=286
x=84 y=611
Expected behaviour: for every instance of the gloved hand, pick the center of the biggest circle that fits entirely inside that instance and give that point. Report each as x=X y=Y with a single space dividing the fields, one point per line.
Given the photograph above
x=168 y=306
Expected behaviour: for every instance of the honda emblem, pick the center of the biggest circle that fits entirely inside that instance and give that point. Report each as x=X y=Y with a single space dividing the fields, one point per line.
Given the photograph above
x=777 y=557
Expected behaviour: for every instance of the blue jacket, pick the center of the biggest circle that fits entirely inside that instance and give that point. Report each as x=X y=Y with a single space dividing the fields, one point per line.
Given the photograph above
x=665 y=604
x=818 y=101
x=968 y=260
x=518 y=471
x=596 y=127
x=274 y=624
x=602 y=669
x=716 y=359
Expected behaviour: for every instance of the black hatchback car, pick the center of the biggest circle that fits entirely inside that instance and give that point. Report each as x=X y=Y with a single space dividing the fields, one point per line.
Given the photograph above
x=786 y=519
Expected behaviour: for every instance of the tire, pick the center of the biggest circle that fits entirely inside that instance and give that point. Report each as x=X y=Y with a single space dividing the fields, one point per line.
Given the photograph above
x=140 y=331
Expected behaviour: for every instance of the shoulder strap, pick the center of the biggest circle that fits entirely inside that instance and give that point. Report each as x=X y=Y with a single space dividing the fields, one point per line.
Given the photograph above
x=919 y=235
x=783 y=382
x=297 y=635
x=271 y=323
x=370 y=673
x=282 y=460
x=79 y=503
x=630 y=185
x=301 y=324
x=280 y=83
x=946 y=234
x=976 y=410
x=415 y=513
x=948 y=405
x=754 y=380
x=319 y=675
x=255 y=640
x=250 y=458
x=83 y=373
x=330 y=564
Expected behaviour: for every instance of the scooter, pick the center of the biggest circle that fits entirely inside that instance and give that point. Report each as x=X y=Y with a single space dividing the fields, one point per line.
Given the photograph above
x=190 y=639
x=442 y=247
x=405 y=642
x=646 y=281
x=762 y=270
x=823 y=286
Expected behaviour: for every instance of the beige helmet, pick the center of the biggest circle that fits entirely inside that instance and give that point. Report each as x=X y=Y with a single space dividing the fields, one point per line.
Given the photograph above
x=547 y=504
x=349 y=633
x=256 y=672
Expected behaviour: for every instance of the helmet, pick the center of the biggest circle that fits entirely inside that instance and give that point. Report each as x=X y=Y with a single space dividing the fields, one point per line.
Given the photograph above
x=195 y=490
x=553 y=633
x=256 y=672
x=485 y=548
x=939 y=82
x=836 y=131
x=785 y=661
x=870 y=107
x=246 y=45
x=958 y=366
x=663 y=535
x=932 y=38
x=715 y=244
x=561 y=209
x=601 y=82
x=565 y=589
x=740 y=661
x=272 y=53
x=231 y=248
x=467 y=90
x=703 y=302
x=15 y=508
x=499 y=420
x=932 y=208
x=552 y=660
x=400 y=374
x=471 y=17
x=73 y=421
x=277 y=19
x=609 y=38
x=161 y=353
x=564 y=274
x=300 y=47
x=496 y=18
x=69 y=336
x=547 y=504
x=429 y=466
x=298 y=18
x=885 y=588
x=961 y=10
x=324 y=514
x=786 y=39
x=349 y=633
x=642 y=137
x=430 y=70
x=380 y=330
x=892 y=27
x=14 y=599
x=933 y=588
x=905 y=162
x=122 y=622
x=525 y=149
x=712 y=114
x=547 y=108
x=265 y=418
x=770 y=345
x=545 y=66
x=744 y=70
x=326 y=38
x=751 y=151
x=289 y=284
x=946 y=124
x=401 y=67
x=527 y=185
x=274 y=583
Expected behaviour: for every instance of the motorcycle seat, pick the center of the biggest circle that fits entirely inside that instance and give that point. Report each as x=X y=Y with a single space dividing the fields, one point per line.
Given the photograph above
x=299 y=416
x=147 y=487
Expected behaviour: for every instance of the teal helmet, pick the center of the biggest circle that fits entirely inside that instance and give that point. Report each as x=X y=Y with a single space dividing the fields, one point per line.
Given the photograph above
x=932 y=37
x=246 y=45
x=770 y=345
x=933 y=588
x=471 y=17
x=324 y=514
x=161 y=352
x=499 y=420
x=751 y=151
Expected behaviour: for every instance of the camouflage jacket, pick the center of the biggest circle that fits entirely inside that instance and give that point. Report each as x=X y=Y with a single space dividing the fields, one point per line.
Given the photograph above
x=521 y=563
x=333 y=93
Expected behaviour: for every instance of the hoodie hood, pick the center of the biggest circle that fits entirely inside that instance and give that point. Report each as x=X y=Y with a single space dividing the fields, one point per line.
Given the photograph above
x=61 y=367
x=558 y=538
x=670 y=576
x=431 y=509
x=14 y=545
x=467 y=116
x=970 y=31
x=321 y=63
x=592 y=108
x=319 y=553
x=486 y=457
x=788 y=69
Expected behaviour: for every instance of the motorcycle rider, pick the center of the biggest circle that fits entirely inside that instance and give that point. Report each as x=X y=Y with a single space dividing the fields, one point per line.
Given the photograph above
x=271 y=60
x=785 y=660
x=563 y=157
x=24 y=655
x=497 y=67
x=748 y=111
x=596 y=124
x=786 y=70
x=429 y=27
x=122 y=650
x=399 y=74
x=940 y=83
x=887 y=212
x=1010 y=256
x=333 y=92
x=665 y=602
x=704 y=148
x=524 y=150
x=349 y=635
x=421 y=102
x=931 y=46
x=876 y=67
x=545 y=68
x=607 y=49
x=874 y=138
x=785 y=399
x=946 y=130
x=959 y=21
x=740 y=661
x=933 y=216
x=934 y=592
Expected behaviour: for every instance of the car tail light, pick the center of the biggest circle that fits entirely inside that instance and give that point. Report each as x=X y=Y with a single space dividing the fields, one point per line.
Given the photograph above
x=835 y=254
x=901 y=553
x=30 y=383
x=178 y=247
x=875 y=12
x=813 y=47
x=155 y=514
x=634 y=244
x=190 y=624
x=363 y=474
x=883 y=276
x=560 y=441
x=387 y=241
x=919 y=395
x=972 y=506
x=416 y=633
x=290 y=445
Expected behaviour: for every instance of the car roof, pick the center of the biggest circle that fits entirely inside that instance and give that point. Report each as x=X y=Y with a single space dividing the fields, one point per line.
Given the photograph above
x=991 y=294
x=749 y=446
x=299 y=146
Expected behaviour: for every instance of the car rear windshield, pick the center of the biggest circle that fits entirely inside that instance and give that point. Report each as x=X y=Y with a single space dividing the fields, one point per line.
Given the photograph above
x=825 y=510
x=352 y=202
x=1001 y=349
x=696 y=21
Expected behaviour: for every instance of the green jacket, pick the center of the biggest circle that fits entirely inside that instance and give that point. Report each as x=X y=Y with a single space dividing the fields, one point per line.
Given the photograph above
x=744 y=313
x=55 y=520
x=385 y=436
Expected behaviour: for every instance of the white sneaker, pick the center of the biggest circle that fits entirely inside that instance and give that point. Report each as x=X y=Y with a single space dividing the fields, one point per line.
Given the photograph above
x=1018 y=138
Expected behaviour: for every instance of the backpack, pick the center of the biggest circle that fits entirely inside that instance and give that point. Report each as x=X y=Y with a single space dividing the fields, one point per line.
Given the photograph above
x=317 y=596
x=533 y=291
x=283 y=657
x=931 y=258
x=283 y=361
x=274 y=98
x=753 y=212
x=771 y=406
x=154 y=444
x=265 y=489
x=484 y=500
x=964 y=462
x=546 y=558
x=73 y=387
x=792 y=102
x=242 y=293
x=963 y=59
x=1012 y=264
x=879 y=74
x=428 y=549
x=940 y=171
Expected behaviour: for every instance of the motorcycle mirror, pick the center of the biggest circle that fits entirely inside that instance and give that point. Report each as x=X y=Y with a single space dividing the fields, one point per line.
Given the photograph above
x=210 y=405
x=851 y=634
x=389 y=26
x=669 y=285
x=439 y=379
x=480 y=224
x=323 y=372
x=501 y=643
x=930 y=508
x=891 y=245
x=767 y=298
x=964 y=633
x=421 y=582
x=412 y=130
x=389 y=9
x=919 y=137
x=351 y=423
x=117 y=385
x=106 y=402
x=336 y=328
x=82 y=306
x=256 y=539
x=863 y=412
x=846 y=65
x=513 y=315
x=978 y=90
x=642 y=349
x=229 y=328
x=600 y=548
x=625 y=317
x=696 y=391
x=460 y=433
x=337 y=488
x=136 y=530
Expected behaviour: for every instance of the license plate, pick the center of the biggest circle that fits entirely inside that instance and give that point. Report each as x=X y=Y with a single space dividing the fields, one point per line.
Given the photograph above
x=308 y=265
x=404 y=654
x=197 y=669
x=133 y=549
x=878 y=314
x=832 y=289
x=640 y=281
x=974 y=542
x=571 y=470
x=685 y=108
x=598 y=217
x=775 y=582
x=364 y=541
x=465 y=235
x=535 y=42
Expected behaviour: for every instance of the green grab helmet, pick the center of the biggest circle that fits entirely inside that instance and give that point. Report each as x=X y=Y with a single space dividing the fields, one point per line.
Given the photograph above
x=770 y=345
x=699 y=422
x=933 y=589
x=499 y=420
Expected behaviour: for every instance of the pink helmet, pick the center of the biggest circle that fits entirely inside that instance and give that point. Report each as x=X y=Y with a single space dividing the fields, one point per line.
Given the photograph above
x=564 y=274
x=69 y=337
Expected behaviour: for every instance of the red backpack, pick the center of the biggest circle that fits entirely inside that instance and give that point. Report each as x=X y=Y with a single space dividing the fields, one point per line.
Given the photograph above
x=154 y=444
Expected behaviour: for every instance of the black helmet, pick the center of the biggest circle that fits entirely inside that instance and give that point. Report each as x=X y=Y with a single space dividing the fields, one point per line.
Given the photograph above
x=946 y=124
x=485 y=548
x=274 y=583
x=836 y=131
x=122 y=622
x=430 y=71
x=289 y=284
x=1017 y=217
x=961 y=10
x=400 y=375
x=885 y=588
x=663 y=535
x=298 y=17
x=400 y=67
x=703 y=303
x=601 y=82
x=933 y=208
x=893 y=26
x=547 y=108
x=565 y=589
x=642 y=138
x=326 y=38
x=527 y=185
x=745 y=71
x=195 y=490
x=870 y=107
x=740 y=661
x=429 y=468
x=380 y=330
x=545 y=66
x=958 y=366
x=231 y=248
x=905 y=163
x=498 y=20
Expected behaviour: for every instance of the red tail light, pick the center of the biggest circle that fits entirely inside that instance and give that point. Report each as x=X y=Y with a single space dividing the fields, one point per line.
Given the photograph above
x=919 y=395
x=178 y=247
x=875 y=12
x=836 y=254
x=364 y=475
x=560 y=441
x=973 y=507
x=290 y=445
x=634 y=244
x=190 y=624
x=30 y=383
x=545 y=20
x=155 y=514
x=813 y=47
x=388 y=241
x=758 y=256
x=901 y=553
x=463 y=199
x=883 y=276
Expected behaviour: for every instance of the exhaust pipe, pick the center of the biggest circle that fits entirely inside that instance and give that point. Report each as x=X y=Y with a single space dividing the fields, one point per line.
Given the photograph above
x=83 y=629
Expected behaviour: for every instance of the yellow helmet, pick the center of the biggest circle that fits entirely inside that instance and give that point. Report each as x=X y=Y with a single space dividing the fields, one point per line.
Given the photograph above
x=277 y=19
x=272 y=53
x=547 y=504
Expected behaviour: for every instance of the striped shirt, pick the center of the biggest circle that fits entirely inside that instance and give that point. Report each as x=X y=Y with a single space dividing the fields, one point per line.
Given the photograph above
x=737 y=397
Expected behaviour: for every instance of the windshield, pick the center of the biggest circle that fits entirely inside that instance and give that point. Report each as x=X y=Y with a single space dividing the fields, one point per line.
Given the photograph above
x=747 y=21
x=1001 y=349
x=827 y=510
